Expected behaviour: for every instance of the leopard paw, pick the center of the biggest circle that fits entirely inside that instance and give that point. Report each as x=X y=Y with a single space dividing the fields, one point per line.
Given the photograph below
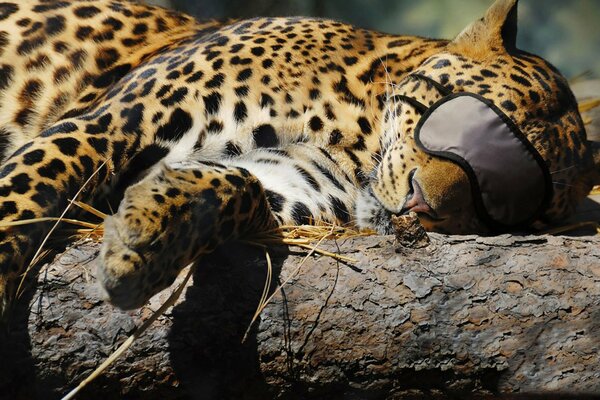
x=167 y=221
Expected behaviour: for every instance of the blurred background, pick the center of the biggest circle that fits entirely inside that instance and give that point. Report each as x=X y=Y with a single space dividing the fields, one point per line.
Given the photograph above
x=565 y=32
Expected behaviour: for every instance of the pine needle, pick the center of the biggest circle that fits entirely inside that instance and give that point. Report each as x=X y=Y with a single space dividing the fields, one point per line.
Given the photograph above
x=263 y=298
x=90 y=209
x=573 y=227
x=46 y=219
x=587 y=105
x=327 y=253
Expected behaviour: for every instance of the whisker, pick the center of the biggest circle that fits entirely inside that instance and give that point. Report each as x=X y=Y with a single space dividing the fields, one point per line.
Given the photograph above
x=569 y=185
x=564 y=169
x=391 y=110
x=377 y=159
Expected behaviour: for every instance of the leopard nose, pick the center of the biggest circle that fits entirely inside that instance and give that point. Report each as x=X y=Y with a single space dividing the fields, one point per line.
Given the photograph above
x=415 y=201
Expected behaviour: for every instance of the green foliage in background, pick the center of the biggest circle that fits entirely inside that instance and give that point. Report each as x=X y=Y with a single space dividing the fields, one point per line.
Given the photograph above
x=566 y=32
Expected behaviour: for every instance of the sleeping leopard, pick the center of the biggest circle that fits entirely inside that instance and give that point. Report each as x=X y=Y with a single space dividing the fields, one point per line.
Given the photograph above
x=198 y=133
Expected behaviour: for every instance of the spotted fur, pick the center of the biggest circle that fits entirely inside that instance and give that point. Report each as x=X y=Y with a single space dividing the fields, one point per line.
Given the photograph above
x=201 y=132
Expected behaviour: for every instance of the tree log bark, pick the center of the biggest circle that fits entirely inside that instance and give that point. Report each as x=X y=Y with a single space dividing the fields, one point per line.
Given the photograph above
x=465 y=316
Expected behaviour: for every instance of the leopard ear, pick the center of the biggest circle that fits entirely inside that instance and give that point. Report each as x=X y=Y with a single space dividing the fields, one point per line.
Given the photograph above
x=497 y=29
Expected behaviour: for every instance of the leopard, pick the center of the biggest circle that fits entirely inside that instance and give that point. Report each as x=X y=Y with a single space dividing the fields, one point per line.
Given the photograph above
x=199 y=133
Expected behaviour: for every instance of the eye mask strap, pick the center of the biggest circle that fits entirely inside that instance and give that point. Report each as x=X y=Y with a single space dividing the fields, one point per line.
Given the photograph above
x=406 y=99
x=442 y=89
x=414 y=102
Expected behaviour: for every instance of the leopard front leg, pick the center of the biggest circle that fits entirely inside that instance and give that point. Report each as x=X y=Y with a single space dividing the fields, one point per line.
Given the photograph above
x=174 y=215
x=169 y=219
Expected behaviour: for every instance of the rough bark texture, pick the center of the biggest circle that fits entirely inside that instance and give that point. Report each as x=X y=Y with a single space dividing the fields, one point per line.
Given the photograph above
x=462 y=316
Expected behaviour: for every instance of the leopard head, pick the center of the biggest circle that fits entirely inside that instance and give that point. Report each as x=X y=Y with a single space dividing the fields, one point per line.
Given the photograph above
x=482 y=59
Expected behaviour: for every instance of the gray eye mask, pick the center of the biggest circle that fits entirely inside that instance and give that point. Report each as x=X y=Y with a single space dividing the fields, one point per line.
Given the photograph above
x=510 y=182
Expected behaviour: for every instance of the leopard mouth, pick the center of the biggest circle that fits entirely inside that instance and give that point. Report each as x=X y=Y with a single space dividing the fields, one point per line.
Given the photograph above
x=381 y=217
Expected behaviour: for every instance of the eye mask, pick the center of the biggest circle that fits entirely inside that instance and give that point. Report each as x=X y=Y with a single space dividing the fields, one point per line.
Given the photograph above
x=510 y=182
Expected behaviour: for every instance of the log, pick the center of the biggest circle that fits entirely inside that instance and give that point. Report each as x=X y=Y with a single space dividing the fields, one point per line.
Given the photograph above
x=465 y=316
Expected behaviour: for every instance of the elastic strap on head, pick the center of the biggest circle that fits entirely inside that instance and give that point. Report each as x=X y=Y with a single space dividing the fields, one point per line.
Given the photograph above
x=442 y=89
x=414 y=102
x=406 y=99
